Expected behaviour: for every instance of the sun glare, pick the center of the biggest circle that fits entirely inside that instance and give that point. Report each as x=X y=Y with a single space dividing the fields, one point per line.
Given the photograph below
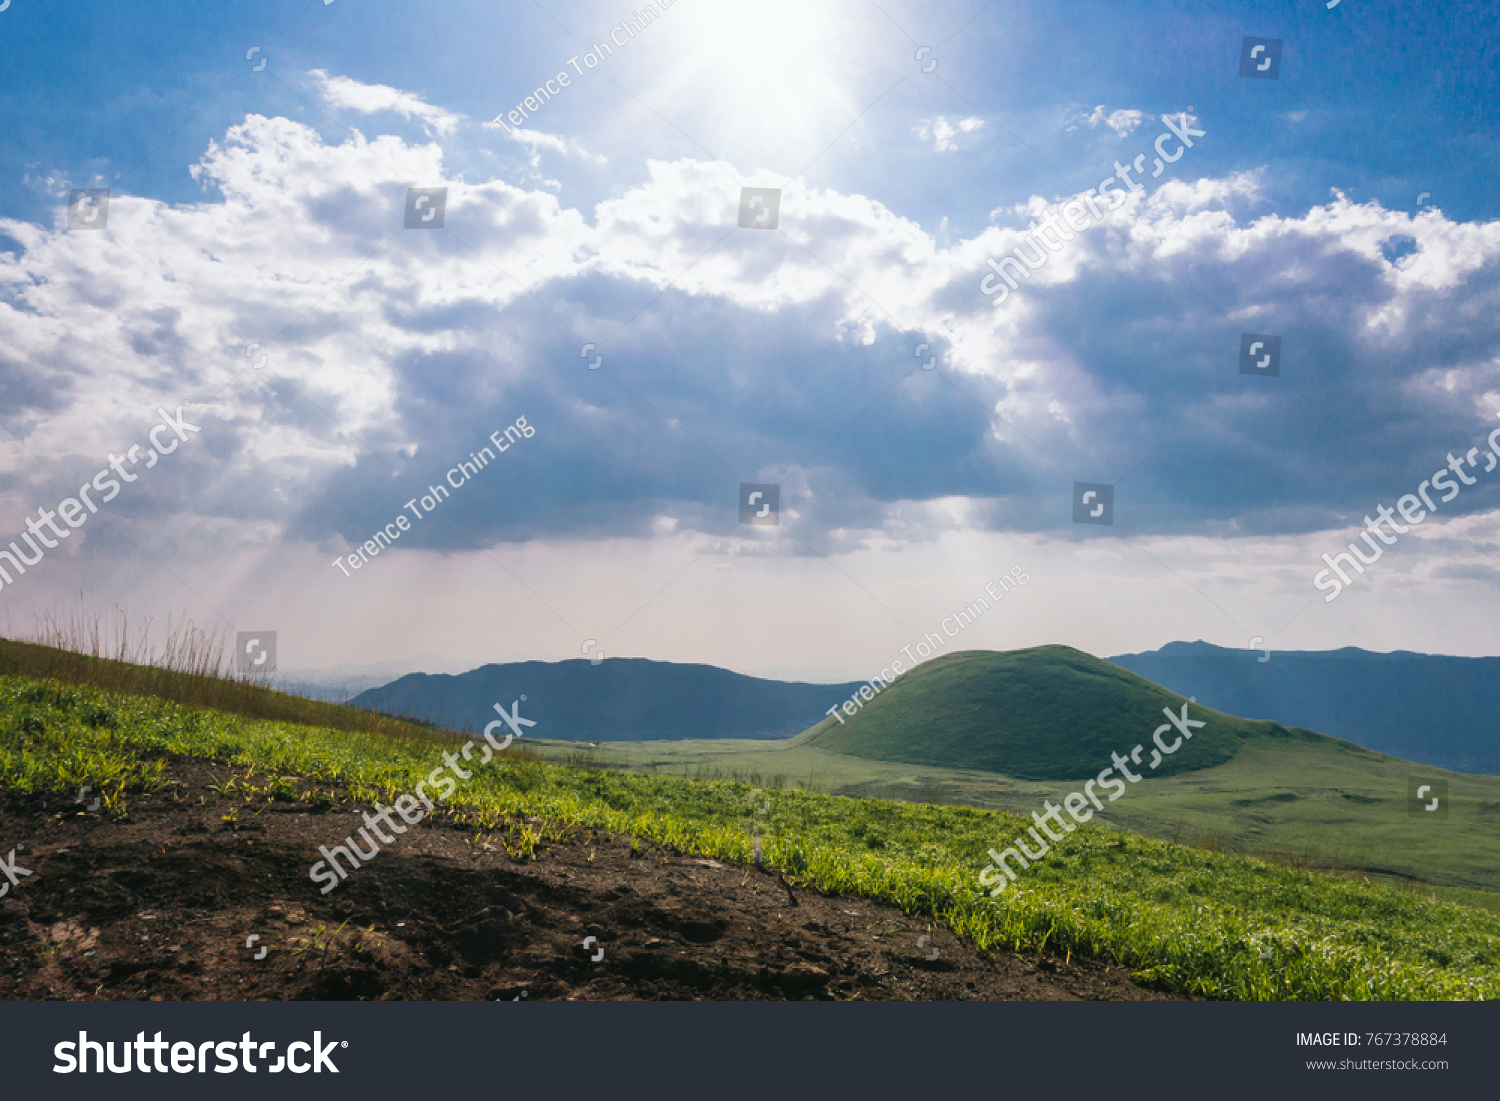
x=764 y=81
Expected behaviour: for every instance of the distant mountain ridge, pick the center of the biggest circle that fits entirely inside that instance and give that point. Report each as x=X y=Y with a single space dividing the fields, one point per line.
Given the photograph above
x=1428 y=708
x=620 y=699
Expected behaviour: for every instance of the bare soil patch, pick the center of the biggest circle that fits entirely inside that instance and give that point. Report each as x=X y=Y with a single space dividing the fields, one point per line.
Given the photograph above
x=161 y=906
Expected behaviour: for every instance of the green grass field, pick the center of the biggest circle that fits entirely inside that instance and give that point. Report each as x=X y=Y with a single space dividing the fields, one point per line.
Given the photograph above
x=1293 y=804
x=1294 y=796
x=1190 y=919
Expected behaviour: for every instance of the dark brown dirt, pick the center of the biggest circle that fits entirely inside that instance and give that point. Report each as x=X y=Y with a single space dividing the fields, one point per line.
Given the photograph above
x=161 y=904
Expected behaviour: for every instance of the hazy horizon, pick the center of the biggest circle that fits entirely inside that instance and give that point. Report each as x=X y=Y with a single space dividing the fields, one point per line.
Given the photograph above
x=433 y=665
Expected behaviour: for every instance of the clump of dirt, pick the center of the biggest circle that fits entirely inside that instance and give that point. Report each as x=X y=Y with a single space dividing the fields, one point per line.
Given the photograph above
x=199 y=895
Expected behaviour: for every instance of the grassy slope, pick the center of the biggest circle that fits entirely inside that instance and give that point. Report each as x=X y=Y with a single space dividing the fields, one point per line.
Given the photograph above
x=1194 y=920
x=1047 y=713
x=1298 y=802
x=241 y=696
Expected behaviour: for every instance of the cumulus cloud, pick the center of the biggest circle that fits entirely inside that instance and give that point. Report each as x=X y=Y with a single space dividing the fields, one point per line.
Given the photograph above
x=734 y=355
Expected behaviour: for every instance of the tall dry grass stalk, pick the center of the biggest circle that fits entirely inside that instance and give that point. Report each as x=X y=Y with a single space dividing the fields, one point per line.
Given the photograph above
x=186 y=648
x=186 y=665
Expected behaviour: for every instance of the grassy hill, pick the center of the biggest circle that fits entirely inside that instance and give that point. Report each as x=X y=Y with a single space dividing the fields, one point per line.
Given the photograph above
x=1190 y=920
x=1047 y=713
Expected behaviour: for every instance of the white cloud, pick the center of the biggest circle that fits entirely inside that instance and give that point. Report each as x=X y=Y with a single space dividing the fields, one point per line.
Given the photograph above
x=540 y=139
x=1122 y=122
x=305 y=254
x=944 y=135
x=341 y=91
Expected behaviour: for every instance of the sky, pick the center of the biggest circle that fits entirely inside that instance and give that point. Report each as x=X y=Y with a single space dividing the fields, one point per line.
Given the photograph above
x=324 y=344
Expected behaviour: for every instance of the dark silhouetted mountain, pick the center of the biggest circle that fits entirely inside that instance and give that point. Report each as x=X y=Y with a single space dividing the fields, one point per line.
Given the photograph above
x=620 y=699
x=1428 y=708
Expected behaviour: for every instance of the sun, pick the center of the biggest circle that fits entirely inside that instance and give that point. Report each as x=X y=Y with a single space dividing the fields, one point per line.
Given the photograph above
x=763 y=84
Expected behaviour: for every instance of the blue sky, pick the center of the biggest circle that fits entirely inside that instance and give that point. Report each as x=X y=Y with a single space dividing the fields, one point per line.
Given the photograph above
x=1347 y=206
